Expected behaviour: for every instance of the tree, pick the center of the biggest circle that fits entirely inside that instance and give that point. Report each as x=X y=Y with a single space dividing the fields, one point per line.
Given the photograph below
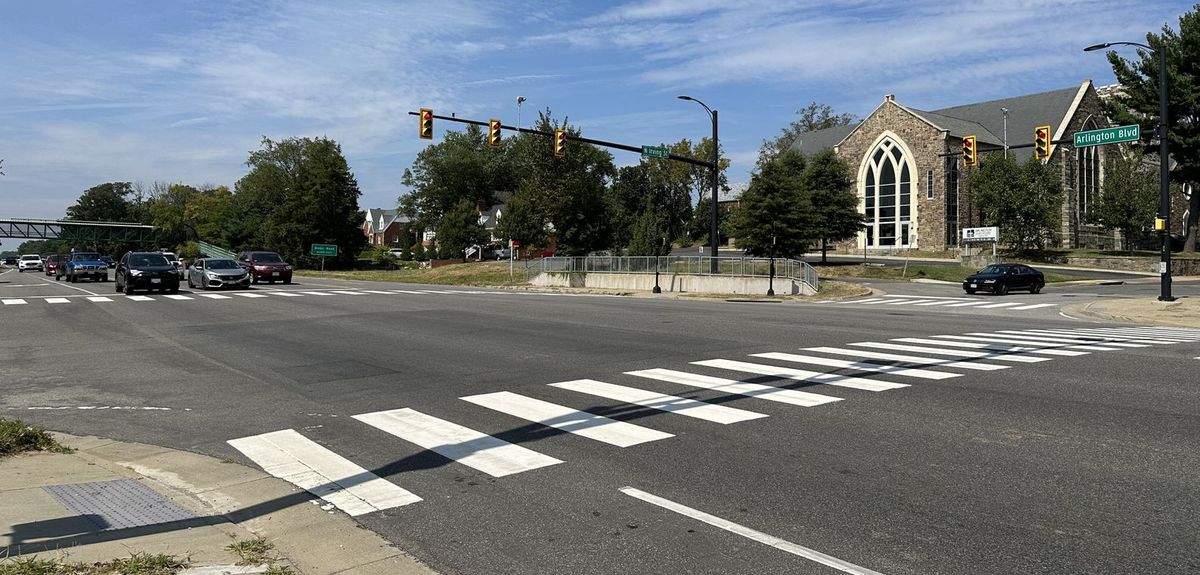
x=1024 y=200
x=699 y=228
x=460 y=229
x=835 y=216
x=1129 y=199
x=649 y=236
x=774 y=218
x=299 y=191
x=103 y=203
x=814 y=116
x=460 y=167
x=523 y=222
x=1138 y=100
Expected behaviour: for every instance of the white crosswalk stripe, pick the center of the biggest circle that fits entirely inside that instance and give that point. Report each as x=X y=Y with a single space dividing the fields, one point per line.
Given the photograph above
x=315 y=293
x=302 y=462
x=1069 y=339
x=1034 y=306
x=14 y=301
x=57 y=300
x=1085 y=336
x=287 y=293
x=979 y=343
x=139 y=298
x=480 y=451
x=581 y=423
x=177 y=297
x=788 y=396
x=858 y=366
x=99 y=299
x=996 y=355
x=909 y=359
x=1018 y=345
x=802 y=375
x=251 y=295
x=347 y=292
x=968 y=303
x=214 y=296
x=669 y=403
x=939 y=302
x=999 y=305
x=1047 y=341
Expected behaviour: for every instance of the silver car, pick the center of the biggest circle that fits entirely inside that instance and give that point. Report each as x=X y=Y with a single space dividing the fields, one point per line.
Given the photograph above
x=208 y=273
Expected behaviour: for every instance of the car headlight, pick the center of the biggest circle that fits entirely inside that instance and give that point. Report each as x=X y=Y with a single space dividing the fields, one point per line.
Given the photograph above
x=989 y=281
x=287 y=268
x=211 y=275
x=135 y=273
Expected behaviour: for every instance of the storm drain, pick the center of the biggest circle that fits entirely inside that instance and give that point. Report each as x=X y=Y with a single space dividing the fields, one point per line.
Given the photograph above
x=118 y=504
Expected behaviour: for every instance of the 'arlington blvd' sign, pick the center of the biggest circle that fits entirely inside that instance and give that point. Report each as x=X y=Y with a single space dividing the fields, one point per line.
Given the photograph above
x=1108 y=136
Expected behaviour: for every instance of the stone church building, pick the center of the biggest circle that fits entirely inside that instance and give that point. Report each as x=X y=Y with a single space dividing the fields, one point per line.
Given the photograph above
x=908 y=173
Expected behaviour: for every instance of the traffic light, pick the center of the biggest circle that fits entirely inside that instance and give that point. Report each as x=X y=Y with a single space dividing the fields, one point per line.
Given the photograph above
x=560 y=143
x=1041 y=142
x=970 y=159
x=426 y=124
x=494 y=133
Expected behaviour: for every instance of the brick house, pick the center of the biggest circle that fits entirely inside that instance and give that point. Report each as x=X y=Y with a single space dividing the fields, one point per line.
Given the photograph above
x=907 y=165
x=383 y=227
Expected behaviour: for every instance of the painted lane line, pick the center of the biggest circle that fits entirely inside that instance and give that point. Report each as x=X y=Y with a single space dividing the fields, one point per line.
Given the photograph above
x=251 y=295
x=802 y=375
x=99 y=299
x=857 y=366
x=315 y=293
x=1031 y=347
x=788 y=396
x=14 y=301
x=1068 y=339
x=347 y=292
x=69 y=286
x=302 y=462
x=287 y=294
x=875 y=301
x=139 y=298
x=1048 y=341
x=480 y=451
x=751 y=534
x=967 y=303
x=938 y=302
x=381 y=292
x=214 y=296
x=1035 y=306
x=57 y=300
x=407 y=291
x=993 y=347
x=996 y=355
x=1001 y=304
x=670 y=403
x=909 y=359
x=588 y=425
x=905 y=301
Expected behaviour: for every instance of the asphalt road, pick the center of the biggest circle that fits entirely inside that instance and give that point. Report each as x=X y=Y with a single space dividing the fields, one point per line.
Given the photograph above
x=1077 y=459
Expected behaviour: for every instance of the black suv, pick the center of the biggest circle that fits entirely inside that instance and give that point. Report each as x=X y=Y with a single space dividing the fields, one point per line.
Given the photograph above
x=148 y=271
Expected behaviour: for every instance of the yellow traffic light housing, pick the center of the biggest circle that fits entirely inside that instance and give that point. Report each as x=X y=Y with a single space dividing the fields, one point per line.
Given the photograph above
x=426 y=124
x=494 y=133
x=969 y=153
x=1041 y=142
x=560 y=143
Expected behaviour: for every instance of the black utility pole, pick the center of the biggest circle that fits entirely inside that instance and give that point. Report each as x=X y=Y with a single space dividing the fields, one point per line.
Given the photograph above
x=1164 y=171
x=713 y=233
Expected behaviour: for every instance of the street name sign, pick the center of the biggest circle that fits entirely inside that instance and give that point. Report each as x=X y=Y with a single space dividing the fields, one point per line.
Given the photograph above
x=1116 y=135
x=655 y=152
x=323 y=250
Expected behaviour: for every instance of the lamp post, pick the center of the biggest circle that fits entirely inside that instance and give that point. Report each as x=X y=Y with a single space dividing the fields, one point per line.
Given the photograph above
x=658 y=289
x=713 y=236
x=771 y=281
x=1164 y=175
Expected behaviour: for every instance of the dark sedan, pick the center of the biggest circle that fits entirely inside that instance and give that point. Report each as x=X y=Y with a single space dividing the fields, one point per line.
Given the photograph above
x=1002 y=278
x=217 y=273
x=148 y=271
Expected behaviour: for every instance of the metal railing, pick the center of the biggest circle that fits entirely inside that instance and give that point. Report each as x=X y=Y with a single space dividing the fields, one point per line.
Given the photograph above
x=214 y=251
x=684 y=265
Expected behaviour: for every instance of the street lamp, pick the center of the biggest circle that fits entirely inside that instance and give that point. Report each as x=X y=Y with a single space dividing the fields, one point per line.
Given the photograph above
x=1164 y=181
x=715 y=167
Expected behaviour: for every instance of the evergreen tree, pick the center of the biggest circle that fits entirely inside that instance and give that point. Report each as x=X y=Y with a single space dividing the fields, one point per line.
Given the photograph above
x=649 y=236
x=1129 y=199
x=835 y=216
x=459 y=230
x=775 y=215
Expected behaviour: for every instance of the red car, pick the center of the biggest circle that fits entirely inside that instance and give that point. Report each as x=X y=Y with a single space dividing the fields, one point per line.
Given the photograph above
x=265 y=266
x=52 y=263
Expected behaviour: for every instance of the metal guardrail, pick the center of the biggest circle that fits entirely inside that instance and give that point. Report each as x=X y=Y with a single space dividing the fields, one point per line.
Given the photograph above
x=684 y=265
x=214 y=251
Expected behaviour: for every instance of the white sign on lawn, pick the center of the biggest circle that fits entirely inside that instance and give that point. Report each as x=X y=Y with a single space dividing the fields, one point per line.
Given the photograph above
x=991 y=234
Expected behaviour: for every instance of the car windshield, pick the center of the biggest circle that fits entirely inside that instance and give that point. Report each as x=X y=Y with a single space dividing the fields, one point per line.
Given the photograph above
x=169 y=256
x=148 y=260
x=31 y=258
x=220 y=264
x=993 y=270
x=267 y=258
x=86 y=256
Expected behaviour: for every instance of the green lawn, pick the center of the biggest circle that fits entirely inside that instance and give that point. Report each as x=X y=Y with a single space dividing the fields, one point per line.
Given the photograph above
x=470 y=273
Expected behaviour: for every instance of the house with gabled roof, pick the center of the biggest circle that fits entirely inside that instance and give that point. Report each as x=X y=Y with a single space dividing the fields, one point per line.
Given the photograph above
x=908 y=173
x=383 y=227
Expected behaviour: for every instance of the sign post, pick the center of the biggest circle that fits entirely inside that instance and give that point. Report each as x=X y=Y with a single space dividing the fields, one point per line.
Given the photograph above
x=991 y=234
x=323 y=250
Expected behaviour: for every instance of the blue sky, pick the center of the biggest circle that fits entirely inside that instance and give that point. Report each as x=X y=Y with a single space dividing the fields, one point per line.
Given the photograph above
x=181 y=91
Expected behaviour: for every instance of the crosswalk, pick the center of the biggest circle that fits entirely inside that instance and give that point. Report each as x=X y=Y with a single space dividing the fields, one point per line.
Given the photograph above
x=945 y=302
x=843 y=373
x=202 y=296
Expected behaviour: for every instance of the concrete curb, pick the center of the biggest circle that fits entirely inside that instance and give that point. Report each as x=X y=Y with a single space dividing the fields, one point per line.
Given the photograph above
x=232 y=498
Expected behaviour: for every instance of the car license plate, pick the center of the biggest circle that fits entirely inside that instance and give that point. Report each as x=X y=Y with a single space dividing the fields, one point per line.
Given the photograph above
x=155 y=280
x=973 y=285
x=274 y=273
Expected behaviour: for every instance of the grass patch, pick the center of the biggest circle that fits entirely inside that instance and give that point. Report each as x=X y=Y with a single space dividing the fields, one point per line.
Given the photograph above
x=17 y=437
x=255 y=551
x=833 y=289
x=136 y=564
x=469 y=274
x=941 y=272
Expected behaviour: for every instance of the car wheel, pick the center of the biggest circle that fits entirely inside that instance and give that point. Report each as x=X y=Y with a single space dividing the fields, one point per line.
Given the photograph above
x=175 y=289
x=190 y=284
x=128 y=287
x=1037 y=288
x=253 y=280
x=1002 y=289
x=970 y=291
x=117 y=287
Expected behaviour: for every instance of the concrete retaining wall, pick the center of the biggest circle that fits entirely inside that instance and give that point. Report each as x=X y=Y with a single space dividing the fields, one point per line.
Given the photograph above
x=674 y=283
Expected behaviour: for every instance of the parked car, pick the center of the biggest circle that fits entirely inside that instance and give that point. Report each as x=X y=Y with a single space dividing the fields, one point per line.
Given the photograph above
x=52 y=263
x=265 y=266
x=10 y=261
x=82 y=265
x=146 y=270
x=30 y=262
x=174 y=259
x=1002 y=278
x=503 y=253
x=208 y=273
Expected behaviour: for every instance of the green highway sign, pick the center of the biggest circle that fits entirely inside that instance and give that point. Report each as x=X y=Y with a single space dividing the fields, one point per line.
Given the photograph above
x=1119 y=134
x=324 y=250
x=655 y=152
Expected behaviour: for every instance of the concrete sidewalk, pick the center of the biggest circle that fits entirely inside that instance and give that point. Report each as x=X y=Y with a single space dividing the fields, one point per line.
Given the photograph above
x=157 y=500
x=1183 y=312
